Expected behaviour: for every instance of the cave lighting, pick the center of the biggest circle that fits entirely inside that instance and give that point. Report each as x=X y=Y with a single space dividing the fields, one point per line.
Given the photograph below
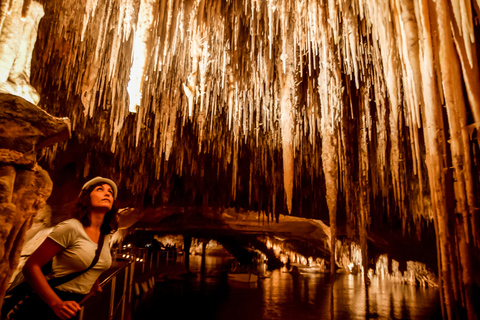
x=140 y=50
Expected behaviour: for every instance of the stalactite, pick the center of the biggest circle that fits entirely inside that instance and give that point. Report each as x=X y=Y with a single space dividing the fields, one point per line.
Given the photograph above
x=471 y=77
x=234 y=170
x=8 y=45
x=90 y=8
x=462 y=10
x=350 y=27
x=140 y=51
x=245 y=74
x=117 y=39
x=286 y=70
x=172 y=122
x=408 y=42
x=363 y=192
x=195 y=54
x=381 y=132
x=383 y=32
x=432 y=127
x=16 y=49
x=167 y=28
x=454 y=101
x=25 y=8
x=331 y=105
x=287 y=139
x=4 y=7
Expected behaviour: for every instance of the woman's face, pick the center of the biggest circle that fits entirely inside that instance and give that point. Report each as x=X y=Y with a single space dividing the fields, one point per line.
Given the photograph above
x=101 y=197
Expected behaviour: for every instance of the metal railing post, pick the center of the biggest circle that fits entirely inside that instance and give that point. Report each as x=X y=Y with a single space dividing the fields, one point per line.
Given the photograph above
x=151 y=260
x=132 y=274
x=80 y=314
x=112 y=298
x=125 y=283
x=114 y=306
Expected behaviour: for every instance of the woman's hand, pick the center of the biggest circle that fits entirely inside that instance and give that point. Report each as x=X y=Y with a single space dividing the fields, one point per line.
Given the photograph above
x=66 y=309
x=96 y=288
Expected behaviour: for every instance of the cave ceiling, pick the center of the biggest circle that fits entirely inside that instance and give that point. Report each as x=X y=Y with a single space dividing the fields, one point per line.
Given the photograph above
x=358 y=107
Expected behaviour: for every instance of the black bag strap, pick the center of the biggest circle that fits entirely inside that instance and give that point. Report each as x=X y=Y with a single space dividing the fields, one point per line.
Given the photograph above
x=64 y=279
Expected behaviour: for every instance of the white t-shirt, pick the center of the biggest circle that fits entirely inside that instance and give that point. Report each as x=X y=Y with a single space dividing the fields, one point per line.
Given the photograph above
x=78 y=255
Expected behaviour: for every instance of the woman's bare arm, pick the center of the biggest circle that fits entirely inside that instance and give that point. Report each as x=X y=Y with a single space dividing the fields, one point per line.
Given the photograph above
x=33 y=274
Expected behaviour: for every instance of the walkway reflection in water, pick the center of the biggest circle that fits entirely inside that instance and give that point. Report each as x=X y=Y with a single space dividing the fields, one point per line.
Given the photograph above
x=283 y=297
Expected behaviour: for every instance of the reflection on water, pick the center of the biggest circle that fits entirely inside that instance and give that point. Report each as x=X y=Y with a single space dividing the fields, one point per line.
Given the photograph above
x=283 y=296
x=386 y=300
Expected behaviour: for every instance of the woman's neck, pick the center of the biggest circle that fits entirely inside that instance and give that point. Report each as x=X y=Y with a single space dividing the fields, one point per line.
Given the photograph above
x=96 y=219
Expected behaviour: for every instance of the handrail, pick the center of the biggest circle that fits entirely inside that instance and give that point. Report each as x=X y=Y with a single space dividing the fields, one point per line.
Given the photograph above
x=107 y=279
x=122 y=304
x=104 y=282
x=128 y=269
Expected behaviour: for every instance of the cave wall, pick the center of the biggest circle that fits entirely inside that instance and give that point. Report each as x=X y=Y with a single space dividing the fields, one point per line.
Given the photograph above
x=25 y=186
x=25 y=130
x=23 y=192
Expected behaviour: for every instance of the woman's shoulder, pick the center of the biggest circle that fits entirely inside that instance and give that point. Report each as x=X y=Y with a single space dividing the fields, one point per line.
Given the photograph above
x=70 y=223
x=66 y=231
x=70 y=226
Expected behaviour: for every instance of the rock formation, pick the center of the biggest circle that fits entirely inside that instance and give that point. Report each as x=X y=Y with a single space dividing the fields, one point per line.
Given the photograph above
x=363 y=114
x=18 y=34
x=24 y=185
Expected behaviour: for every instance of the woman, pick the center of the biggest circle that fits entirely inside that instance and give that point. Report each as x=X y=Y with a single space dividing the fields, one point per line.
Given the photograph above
x=72 y=245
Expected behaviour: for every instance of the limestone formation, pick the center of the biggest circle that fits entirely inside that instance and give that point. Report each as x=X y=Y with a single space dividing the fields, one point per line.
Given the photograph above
x=25 y=128
x=24 y=185
x=23 y=192
x=18 y=35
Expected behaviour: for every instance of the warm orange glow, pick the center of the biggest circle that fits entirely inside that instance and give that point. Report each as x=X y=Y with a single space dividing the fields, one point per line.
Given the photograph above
x=140 y=45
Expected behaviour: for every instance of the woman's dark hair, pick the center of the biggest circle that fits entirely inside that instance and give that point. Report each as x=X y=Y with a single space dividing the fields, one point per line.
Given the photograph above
x=83 y=207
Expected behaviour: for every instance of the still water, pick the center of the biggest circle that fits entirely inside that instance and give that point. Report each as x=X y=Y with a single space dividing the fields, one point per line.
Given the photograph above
x=281 y=296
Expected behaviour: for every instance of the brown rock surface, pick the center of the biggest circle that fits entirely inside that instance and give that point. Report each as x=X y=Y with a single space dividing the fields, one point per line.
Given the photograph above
x=25 y=127
x=24 y=185
x=22 y=193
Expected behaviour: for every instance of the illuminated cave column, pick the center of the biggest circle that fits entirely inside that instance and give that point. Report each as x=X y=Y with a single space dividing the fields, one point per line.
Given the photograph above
x=286 y=73
x=140 y=50
x=17 y=38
